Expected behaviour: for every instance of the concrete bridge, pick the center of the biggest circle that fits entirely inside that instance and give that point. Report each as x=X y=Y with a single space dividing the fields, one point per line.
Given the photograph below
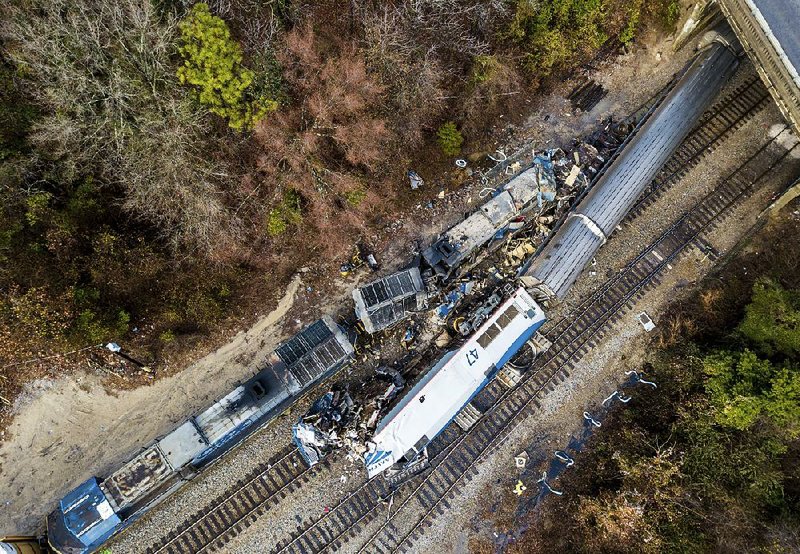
x=769 y=31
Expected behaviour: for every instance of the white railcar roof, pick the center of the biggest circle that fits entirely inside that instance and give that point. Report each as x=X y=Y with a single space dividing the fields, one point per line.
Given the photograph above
x=433 y=402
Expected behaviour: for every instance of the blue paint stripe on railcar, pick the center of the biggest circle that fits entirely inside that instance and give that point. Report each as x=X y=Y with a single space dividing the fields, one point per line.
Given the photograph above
x=512 y=351
x=375 y=457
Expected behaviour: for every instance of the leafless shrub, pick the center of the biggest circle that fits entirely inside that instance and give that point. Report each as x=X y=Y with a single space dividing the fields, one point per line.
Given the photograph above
x=102 y=72
x=339 y=101
x=420 y=49
x=459 y=29
x=256 y=23
x=413 y=72
x=488 y=95
x=676 y=326
x=325 y=143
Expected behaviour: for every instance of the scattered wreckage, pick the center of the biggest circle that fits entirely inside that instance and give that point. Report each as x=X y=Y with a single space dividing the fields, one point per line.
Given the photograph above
x=517 y=217
x=470 y=313
x=337 y=421
x=470 y=320
x=528 y=204
x=327 y=425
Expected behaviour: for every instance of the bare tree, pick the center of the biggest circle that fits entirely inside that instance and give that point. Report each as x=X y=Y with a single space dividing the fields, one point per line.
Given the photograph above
x=101 y=69
x=420 y=49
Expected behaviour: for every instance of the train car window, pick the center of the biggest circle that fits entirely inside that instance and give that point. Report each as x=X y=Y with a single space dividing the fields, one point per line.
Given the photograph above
x=507 y=316
x=488 y=336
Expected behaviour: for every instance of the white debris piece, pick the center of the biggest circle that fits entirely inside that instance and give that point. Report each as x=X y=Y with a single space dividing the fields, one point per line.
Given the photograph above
x=646 y=322
x=415 y=179
x=573 y=175
x=307 y=434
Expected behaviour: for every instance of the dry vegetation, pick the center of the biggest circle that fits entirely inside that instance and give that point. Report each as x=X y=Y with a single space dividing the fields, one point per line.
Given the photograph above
x=132 y=212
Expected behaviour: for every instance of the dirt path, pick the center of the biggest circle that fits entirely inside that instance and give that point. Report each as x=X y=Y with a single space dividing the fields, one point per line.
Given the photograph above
x=68 y=429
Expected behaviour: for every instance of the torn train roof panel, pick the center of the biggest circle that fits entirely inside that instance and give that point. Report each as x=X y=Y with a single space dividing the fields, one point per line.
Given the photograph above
x=314 y=351
x=382 y=303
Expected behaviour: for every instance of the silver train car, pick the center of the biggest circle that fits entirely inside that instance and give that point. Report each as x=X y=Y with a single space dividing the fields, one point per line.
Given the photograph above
x=460 y=241
x=556 y=267
x=98 y=508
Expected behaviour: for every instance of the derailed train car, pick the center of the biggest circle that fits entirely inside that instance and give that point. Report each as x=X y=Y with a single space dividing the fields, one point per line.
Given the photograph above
x=98 y=508
x=382 y=303
x=554 y=270
x=95 y=510
x=400 y=440
x=515 y=198
x=402 y=436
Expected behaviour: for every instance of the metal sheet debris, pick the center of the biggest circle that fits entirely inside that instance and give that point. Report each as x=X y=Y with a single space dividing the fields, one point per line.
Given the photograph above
x=415 y=179
x=330 y=419
x=573 y=174
x=545 y=178
x=451 y=300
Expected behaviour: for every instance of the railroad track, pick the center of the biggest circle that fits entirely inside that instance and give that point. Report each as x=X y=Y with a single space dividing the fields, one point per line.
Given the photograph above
x=230 y=513
x=457 y=461
x=270 y=482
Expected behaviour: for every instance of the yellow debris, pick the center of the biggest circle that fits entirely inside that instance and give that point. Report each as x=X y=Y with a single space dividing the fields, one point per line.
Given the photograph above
x=522 y=250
